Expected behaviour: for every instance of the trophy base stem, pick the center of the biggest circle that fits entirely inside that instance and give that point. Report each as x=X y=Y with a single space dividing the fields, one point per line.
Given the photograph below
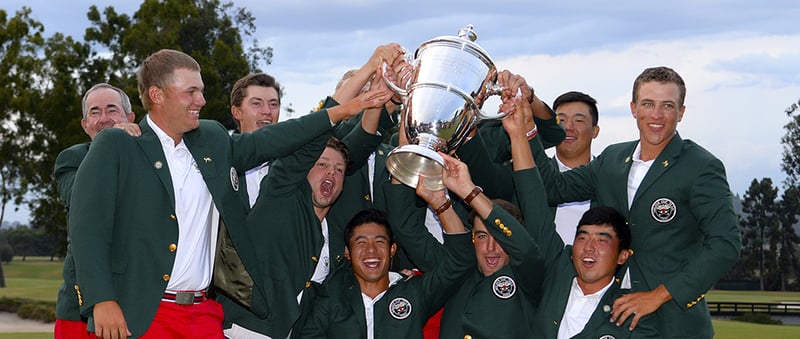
x=409 y=162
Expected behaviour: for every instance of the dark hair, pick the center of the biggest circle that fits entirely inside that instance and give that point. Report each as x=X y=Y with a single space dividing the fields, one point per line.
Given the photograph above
x=605 y=215
x=339 y=146
x=663 y=75
x=367 y=216
x=574 y=96
x=239 y=90
x=505 y=205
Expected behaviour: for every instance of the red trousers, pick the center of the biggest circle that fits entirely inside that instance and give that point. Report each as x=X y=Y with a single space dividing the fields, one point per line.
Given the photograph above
x=72 y=329
x=203 y=320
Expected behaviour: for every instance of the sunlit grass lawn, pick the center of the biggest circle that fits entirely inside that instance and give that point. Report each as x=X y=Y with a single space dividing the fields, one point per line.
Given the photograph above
x=36 y=278
x=753 y=296
x=729 y=329
x=26 y=335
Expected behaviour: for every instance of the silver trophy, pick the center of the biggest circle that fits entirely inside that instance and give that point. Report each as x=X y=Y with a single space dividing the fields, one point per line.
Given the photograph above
x=442 y=103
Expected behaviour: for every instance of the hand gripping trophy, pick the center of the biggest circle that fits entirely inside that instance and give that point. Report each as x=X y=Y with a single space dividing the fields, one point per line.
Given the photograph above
x=442 y=103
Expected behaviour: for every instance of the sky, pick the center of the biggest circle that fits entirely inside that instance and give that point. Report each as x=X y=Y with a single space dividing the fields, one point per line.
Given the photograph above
x=740 y=59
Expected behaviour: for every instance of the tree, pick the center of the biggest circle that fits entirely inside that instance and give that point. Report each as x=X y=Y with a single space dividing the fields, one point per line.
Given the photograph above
x=791 y=207
x=20 y=42
x=760 y=218
x=208 y=30
x=44 y=79
x=786 y=239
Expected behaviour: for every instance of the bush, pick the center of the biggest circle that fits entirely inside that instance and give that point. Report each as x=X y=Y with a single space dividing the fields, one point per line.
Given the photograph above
x=6 y=253
x=29 y=309
x=37 y=311
x=758 y=318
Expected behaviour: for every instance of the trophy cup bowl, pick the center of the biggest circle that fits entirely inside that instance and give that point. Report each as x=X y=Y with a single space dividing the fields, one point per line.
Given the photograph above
x=442 y=104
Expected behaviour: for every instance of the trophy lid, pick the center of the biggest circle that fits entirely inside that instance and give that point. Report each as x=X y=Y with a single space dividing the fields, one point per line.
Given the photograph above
x=464 y=41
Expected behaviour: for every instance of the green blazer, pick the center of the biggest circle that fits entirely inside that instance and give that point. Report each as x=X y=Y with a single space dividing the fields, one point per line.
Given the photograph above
x=498 y=306
x=122 y=216
x=559 y=271
x=488 y=154
x=685 y=232
x=287 y=238
x=66 y=166
x=404 y=308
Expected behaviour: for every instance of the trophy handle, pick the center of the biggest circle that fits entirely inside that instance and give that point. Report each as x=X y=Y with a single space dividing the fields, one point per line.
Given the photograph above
x=402 y=92
x=492 y=88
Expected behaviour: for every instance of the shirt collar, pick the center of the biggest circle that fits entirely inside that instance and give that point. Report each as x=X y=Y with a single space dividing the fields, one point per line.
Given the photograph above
x=165 y=139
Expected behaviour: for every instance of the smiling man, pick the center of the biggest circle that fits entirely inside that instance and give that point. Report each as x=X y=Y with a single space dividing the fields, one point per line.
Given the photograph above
x=676 y=197
x=144 y=210
x=577 y=113
x=104 y=106
x=580 y=282
x=255 y=103
x=366 y=300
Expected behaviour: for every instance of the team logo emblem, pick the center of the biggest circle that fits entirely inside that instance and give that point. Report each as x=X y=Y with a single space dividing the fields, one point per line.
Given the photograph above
x=608 y=336
x=400 y=308
x=663 y=210
x=234 y=179
x=504 y=287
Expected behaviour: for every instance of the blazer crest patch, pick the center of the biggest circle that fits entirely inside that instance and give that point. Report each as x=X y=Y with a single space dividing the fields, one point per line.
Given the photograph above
x=400 y=308
x=504 y=287
x=234 y=179
x=663 y=210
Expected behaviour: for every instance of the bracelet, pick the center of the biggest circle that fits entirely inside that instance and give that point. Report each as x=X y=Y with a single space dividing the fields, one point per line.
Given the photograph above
x=532 y=133
x=443 y=208
x=395 y=102
x=475 y=191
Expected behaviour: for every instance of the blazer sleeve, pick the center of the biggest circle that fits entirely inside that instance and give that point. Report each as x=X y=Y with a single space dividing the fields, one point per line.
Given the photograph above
x=288 y=173
x=66 y=167
x=277 y=140
x=577 y=184
x=91 y=222
x=407 y=220
x=440 y=283
x=537 y=214
x=710 y=201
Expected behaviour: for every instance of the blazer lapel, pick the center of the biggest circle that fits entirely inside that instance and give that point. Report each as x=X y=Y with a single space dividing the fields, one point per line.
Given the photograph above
x=602 y=312
x=666 y=160
x=151 y=146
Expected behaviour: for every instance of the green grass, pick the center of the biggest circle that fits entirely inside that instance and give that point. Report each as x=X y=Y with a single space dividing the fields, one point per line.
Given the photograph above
x=728 y=329
x=752 y=296
x=33 y=279
x=26 y=335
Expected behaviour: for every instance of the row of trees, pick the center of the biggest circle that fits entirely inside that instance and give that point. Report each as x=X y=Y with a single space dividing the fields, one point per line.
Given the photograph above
x=43 y=79
x=770 y=243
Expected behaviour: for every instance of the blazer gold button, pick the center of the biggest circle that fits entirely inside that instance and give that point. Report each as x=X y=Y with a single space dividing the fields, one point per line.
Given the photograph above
x=366 y=197
x=173 y=217
x=497 y=222
x=173 y=247
x=314 y=258
x=467 y=336
x=165 y=277
x=308 y=283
